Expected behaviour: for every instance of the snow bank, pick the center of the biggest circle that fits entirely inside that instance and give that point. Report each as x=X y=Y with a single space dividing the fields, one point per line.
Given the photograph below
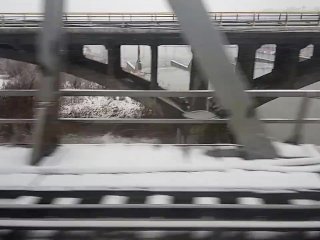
x=148 y=158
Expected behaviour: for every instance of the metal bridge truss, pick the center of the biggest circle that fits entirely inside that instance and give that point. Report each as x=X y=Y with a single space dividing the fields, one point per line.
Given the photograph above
x=276 y=213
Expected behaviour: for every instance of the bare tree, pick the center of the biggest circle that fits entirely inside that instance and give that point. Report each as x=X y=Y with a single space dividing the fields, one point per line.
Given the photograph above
x=20 y=76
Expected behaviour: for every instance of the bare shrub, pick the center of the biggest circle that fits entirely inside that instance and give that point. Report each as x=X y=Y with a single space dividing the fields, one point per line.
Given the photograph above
x=104 y=107
x=27 y=76
x=20 y=76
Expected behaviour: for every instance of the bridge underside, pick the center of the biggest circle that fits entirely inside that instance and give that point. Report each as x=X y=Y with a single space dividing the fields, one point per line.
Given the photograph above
x=288 y=72
x=108 y=75
x=156 y=36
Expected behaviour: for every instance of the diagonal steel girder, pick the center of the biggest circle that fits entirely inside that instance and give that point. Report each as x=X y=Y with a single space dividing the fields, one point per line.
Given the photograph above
x=207 y=45
x=50 y=56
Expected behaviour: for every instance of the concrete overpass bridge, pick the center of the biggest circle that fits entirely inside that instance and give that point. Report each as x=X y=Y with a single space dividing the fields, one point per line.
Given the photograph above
x=63 y=193
x=289 y=31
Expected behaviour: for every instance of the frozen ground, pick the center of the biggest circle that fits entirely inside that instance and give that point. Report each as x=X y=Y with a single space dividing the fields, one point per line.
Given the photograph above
x=159 y=166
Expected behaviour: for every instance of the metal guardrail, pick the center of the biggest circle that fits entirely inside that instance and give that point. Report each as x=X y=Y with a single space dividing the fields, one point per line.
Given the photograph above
x=225 y=19
x=161 y=93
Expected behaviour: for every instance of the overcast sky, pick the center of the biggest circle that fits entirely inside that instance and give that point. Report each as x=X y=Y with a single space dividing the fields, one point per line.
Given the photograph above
x=160 y=5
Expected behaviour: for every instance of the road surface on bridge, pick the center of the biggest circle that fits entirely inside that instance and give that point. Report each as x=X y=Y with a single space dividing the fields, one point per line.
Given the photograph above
x=164 y=29
x=166 y=20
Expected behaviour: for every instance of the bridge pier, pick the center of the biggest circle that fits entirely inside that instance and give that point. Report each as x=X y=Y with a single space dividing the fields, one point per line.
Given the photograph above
x=75 y=53
x=197 y=82
x=114 y=60
x=286 y=62
x=247 y=59
x=316 y=52
x=46 y=130
x=154 y=67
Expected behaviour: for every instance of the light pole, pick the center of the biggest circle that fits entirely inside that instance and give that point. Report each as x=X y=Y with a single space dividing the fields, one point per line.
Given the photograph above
x=138 y=63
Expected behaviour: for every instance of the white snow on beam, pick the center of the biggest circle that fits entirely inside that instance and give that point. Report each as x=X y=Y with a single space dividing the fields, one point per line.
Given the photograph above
x=159 y=199
x=206 y=200
x=66 y=201
x=110 y=199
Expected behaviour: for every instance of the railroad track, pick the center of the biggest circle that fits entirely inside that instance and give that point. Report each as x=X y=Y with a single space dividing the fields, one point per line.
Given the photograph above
x=23 y=212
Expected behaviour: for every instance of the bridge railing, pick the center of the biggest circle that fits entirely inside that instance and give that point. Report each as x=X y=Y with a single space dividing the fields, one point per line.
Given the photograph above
x=305 y=94
x=240 y=19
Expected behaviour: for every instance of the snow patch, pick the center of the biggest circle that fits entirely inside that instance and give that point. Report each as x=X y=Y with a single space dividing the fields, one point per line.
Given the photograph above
x=109 y=138
x=103 y=107
x=156 y=166
x=3 y=80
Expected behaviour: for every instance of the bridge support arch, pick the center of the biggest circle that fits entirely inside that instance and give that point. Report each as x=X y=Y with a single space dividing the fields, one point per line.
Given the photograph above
x=75 y=52
x=247 y=59
x=316 y=52
x=114 y=60
x=154 y=67
x=197 y=82
x=286 y=62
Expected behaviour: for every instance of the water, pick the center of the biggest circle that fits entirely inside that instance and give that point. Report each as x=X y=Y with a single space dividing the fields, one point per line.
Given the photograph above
x=177 y=79
x=288 y=108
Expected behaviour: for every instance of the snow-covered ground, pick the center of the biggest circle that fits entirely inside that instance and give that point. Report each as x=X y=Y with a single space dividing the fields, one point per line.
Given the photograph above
x=159 y=166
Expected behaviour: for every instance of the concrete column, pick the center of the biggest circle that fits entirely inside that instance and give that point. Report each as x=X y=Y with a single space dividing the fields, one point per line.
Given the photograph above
x=139 y=63
x=75 y=52
x=114 y=60
x=316 y=52
x=197 y=82
x=154 y=67
x=247 y=59
x=286 y=61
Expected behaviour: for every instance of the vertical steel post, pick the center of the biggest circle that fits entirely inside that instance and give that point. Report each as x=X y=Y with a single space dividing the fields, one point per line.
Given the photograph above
x=46 y=137
x=114 y=60
x=138 y=63
x=247 y=59
x=197 y=82
x=154 y=68
x=207 y=45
